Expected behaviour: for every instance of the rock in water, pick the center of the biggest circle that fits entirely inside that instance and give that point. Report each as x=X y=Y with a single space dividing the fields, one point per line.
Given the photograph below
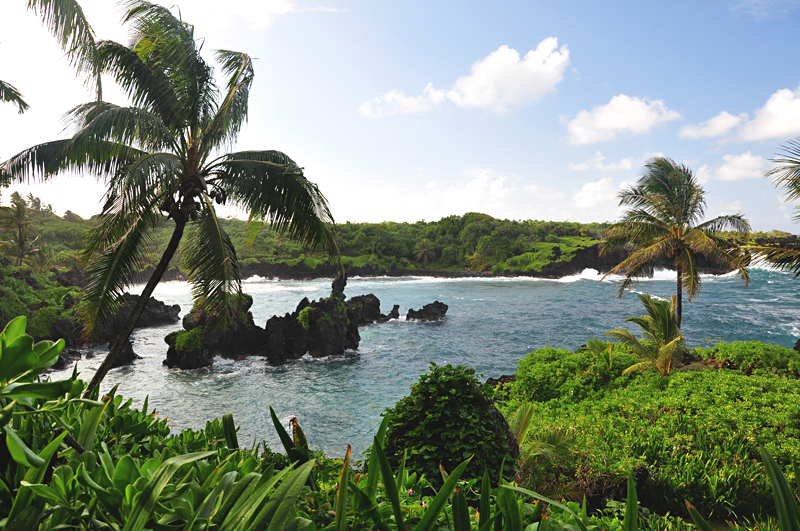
x=156 y=313
x=127 y=356
x=187 y=350
x=366 y=307
x=246 y=339
x=430 y=312
x=320 y=328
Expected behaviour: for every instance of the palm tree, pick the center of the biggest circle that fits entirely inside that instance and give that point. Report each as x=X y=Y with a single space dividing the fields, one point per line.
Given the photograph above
x=661 y=336
x=163 y=158
x=424 y=253
x=785 y=174
x=664 y=223
x=9 y=94
x=17 y=230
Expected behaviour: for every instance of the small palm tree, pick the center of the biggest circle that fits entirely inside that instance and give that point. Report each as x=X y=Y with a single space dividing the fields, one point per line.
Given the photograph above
x=163 y=163
x=538 y=451
x=664 y=223
x=18 y=235
x=424 y=253
x=603 y=354
x=661 y=336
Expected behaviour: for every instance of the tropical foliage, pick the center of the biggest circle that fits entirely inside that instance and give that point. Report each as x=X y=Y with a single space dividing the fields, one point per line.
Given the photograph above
x=161 y=158
x=661 y=337
x=664 y=223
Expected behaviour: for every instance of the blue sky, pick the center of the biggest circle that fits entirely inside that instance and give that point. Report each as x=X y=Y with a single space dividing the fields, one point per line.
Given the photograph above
x=418 y=110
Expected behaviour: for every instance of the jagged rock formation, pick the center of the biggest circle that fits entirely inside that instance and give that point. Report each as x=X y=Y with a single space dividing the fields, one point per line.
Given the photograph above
x=246 y=339
x=156 y=313
x=430 y=312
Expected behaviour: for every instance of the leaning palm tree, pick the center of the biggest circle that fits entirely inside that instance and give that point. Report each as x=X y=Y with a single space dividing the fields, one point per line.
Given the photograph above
x=163 y=163
x=661 y=336
x=667 y=205
x=18 y=234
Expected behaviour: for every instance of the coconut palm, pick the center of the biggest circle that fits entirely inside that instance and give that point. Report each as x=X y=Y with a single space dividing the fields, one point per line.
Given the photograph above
x=424 y=253
x=163 y=163
x=9 y=94
x=785 y=174
x=661 y=336
x=667 y=205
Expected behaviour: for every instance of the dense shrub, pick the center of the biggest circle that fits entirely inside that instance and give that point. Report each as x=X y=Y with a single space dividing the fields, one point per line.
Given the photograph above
x=754 y=357
x=693 y=436
x=549 y=373
x=36 y=297
x=448 y=417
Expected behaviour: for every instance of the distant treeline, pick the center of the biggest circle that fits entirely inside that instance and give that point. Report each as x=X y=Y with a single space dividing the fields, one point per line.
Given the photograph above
x=473 y=241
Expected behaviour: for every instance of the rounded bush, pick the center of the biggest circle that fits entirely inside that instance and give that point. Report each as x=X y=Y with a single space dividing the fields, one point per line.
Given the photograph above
x=448 y=417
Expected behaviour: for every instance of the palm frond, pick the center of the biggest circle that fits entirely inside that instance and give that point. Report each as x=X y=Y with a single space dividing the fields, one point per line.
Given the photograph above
x=44 y=161
x=67 y=23
x=735 y=222
x=625 y=337
x=786 y=259
x=521 y=422
x=273 y=188
x=151 y=175
x=113 y=253
x=232 y=112
x=9 y=94
x=124 y=125
x=146 y=87
x=786 y=172
x=209 y=260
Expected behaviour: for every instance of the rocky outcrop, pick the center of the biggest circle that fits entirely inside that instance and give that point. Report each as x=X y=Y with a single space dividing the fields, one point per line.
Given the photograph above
x=156 y=313
x=67 y=357
x=503 y=380
x=320 y=328
x=245 y=338
x=126 y=357
x=430 y=312
x=187 y=350
x=367 y=308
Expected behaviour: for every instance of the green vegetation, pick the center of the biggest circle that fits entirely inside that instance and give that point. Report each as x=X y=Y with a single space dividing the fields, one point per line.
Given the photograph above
x=302 y=317
x=449 y=417
x=189 y=341
x=36 y=297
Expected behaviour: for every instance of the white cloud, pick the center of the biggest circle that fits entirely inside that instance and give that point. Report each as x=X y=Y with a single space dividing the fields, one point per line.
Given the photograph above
x=735 y=168
x=594 y=194
x=623 y=114
x=396 y=102
x=720 y=125
x=596 y=163
x=778 y=118
x=498 y=82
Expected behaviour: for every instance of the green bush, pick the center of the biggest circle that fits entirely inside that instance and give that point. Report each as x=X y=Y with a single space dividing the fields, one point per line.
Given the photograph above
x=548 y=373
x=693 y=436
x=189 y=341
x=448 y=417
x=754 y=357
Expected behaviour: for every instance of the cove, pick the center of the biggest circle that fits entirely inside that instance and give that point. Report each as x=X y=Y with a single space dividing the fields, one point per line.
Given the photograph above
x=492 y=323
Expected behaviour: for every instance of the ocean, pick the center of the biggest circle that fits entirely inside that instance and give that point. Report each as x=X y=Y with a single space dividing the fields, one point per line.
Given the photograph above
x=491 y=324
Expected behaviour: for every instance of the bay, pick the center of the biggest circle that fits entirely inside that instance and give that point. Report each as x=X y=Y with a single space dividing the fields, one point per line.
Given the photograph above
x=492 y=323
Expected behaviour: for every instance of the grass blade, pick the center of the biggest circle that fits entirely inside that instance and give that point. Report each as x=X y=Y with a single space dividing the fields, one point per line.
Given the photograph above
x=699 y=521
x=631 y=521
x=460 y=512
x=484 y=506
x=508 y=505
x=549 y=501
x=388 y=483
x=340 y=522
x=785 y=503
x=229 y=429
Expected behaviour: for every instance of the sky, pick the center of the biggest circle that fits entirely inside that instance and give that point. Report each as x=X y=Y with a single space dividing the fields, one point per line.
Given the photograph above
x=410 y=110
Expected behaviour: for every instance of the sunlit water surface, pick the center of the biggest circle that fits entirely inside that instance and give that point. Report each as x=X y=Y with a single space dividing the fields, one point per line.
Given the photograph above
x=490 y=326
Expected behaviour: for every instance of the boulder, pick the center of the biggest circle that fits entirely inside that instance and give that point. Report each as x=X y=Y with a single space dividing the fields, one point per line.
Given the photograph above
x=430 y=312
x=127 y=356
x=367 y=308
x=187 y=351
x=245 y=339
x=156 y=313
x=67 y=357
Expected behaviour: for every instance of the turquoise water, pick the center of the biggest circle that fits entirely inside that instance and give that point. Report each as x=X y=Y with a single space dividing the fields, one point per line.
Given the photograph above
x=490 y=326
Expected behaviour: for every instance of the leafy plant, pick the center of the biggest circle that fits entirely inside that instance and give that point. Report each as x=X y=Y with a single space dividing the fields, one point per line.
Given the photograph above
x=661 y=336
x=449 y=416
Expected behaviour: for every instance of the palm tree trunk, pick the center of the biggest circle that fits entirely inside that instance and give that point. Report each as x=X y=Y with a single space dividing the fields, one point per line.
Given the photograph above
x=126 y=332
x=679 y=305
